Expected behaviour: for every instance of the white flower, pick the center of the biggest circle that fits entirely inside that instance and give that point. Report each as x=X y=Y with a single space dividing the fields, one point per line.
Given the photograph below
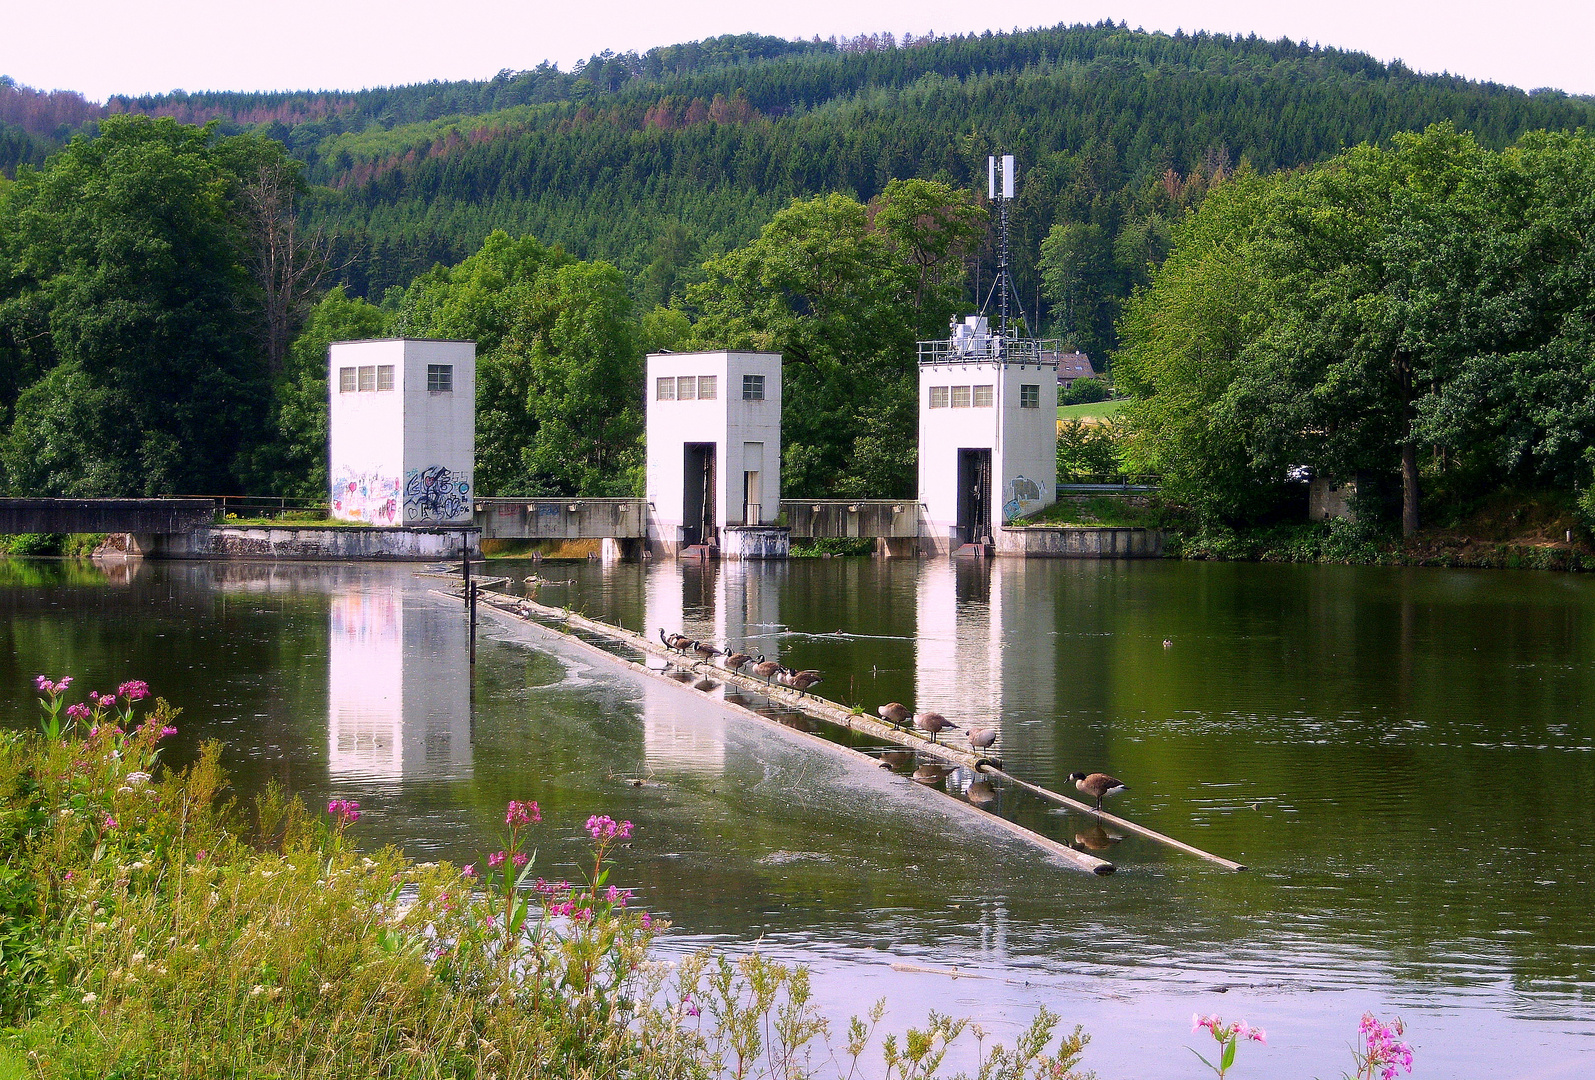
x=257 y=991
x=138 y=779
x=138 y=958
x=90 y=999
x=326 y=986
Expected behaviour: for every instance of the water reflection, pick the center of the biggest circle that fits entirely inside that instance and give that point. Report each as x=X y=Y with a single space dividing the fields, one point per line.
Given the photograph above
x=678 y=738
x=398 y=688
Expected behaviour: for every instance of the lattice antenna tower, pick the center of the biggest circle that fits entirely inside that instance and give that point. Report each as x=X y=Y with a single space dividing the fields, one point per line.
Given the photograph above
x=1001 y=174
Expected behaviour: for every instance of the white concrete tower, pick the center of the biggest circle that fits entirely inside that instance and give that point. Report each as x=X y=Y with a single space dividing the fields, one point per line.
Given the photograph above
x=714 y=453
x=988 y=434
x=403 y=431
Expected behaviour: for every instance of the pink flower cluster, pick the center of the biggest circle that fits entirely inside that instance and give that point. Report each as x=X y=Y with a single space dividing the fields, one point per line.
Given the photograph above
x=1386 y=1051
x=133 y=690
x=79 y=711
x=604 y=827
x=45 y=686
x=346 y=810
x=498 y=858
x=1224 y=1032
x=522 y=813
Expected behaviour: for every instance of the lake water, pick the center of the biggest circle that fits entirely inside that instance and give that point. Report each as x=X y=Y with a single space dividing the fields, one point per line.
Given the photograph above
x=1403 y=757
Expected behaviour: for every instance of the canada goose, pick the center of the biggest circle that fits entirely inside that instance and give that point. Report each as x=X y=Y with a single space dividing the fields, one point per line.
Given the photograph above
x=933 y=722
x=674 y=642
x=981 y=793
x=764 y=669
x=705 y=650
x=736 y=661
x=1098 y=785
x=895 y=712
x=981 y=738
x=798 y=680
x=930 y=774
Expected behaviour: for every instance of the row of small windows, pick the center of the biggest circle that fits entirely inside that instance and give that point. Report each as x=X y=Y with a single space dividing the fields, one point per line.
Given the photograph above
x=439 y=378
x=980 y=397
x=703 y=388
x=688 y=388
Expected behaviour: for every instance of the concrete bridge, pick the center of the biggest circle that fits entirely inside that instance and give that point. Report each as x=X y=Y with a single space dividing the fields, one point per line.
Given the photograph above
x=619 y=528
x=147 y=516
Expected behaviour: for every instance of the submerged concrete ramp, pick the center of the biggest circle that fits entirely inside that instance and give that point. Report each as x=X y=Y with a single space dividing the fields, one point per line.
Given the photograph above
x=105 y=515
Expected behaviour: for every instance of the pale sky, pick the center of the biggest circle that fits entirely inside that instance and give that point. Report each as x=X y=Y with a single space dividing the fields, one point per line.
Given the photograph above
x=104 y=47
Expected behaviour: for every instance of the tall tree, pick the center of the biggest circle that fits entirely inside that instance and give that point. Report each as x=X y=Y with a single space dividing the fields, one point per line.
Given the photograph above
x=559 y=373
x=124 y=280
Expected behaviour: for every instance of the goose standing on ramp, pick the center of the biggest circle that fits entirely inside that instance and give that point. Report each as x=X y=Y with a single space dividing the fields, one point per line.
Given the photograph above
x=737 y=661
x=675 y=642
x=1098 y=785
x=800 y=680
x=982 y=738
x=934 y=723
x=895 y=713
x=765 y=669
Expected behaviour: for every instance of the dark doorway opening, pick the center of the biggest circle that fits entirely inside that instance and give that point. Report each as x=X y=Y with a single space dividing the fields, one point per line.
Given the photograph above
x=698 y=510
x=974 y=495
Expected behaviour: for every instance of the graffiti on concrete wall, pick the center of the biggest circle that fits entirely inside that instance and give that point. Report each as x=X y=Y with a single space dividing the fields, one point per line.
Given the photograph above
x=436 y=494
x=1024 y=498
x=369 y=497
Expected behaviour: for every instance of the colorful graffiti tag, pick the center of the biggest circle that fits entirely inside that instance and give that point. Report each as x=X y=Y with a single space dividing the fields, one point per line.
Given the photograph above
x=368 y=497
x=1024 y=497
x=437 y=494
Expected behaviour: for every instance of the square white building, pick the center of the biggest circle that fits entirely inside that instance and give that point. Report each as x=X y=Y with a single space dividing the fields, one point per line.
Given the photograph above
x=714 y=446
x=988 y=434
x=402 y=431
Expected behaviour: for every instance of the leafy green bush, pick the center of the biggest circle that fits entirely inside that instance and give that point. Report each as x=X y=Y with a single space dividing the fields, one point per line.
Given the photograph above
x=1084 y=391
x=819 y=546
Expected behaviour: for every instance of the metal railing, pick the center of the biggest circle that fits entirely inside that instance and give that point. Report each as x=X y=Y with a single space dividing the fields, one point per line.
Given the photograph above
x=991 y=350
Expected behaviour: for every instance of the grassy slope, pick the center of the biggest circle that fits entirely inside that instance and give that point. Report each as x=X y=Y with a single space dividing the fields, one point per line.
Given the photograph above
x=1092 y=411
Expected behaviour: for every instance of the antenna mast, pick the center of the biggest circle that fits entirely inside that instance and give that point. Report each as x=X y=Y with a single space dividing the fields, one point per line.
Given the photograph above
x=1001 y=194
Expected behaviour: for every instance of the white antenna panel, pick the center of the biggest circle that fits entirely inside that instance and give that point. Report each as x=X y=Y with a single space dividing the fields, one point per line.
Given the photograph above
x=1007 y=176
x=991 y=177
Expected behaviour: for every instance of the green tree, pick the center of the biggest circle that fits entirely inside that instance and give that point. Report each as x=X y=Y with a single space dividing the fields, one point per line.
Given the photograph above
x=559 y=374
x=294 y=460
x=843 y=300
x=1076 y=278
x=123 y=266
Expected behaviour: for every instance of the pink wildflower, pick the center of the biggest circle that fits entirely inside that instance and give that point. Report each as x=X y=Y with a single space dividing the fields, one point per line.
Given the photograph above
x=647 y=921
x=495 y=860
x=167 y=732
x=522 y=813
x=347 y=810
x=110 y=822
x=79 y=711
x=134 y=690
x=519 y=859
x=469 y=870
x=604 y=827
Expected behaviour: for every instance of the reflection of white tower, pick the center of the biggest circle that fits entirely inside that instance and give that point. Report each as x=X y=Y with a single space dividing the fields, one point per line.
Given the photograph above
x=735 y=605
x=987 y=651
x=679 y=735
x=398 y=688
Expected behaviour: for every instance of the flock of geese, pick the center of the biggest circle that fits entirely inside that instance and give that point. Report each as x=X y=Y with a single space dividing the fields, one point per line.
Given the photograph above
x=1098 y=786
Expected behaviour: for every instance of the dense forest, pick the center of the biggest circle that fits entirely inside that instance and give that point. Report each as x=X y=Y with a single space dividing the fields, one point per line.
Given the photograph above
x=676 y=198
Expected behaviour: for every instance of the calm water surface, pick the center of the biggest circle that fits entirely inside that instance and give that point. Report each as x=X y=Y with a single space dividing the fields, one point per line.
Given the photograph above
x=1404 y=757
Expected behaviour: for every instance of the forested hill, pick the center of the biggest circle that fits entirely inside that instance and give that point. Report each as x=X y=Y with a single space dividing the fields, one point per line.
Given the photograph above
x=655 y=161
